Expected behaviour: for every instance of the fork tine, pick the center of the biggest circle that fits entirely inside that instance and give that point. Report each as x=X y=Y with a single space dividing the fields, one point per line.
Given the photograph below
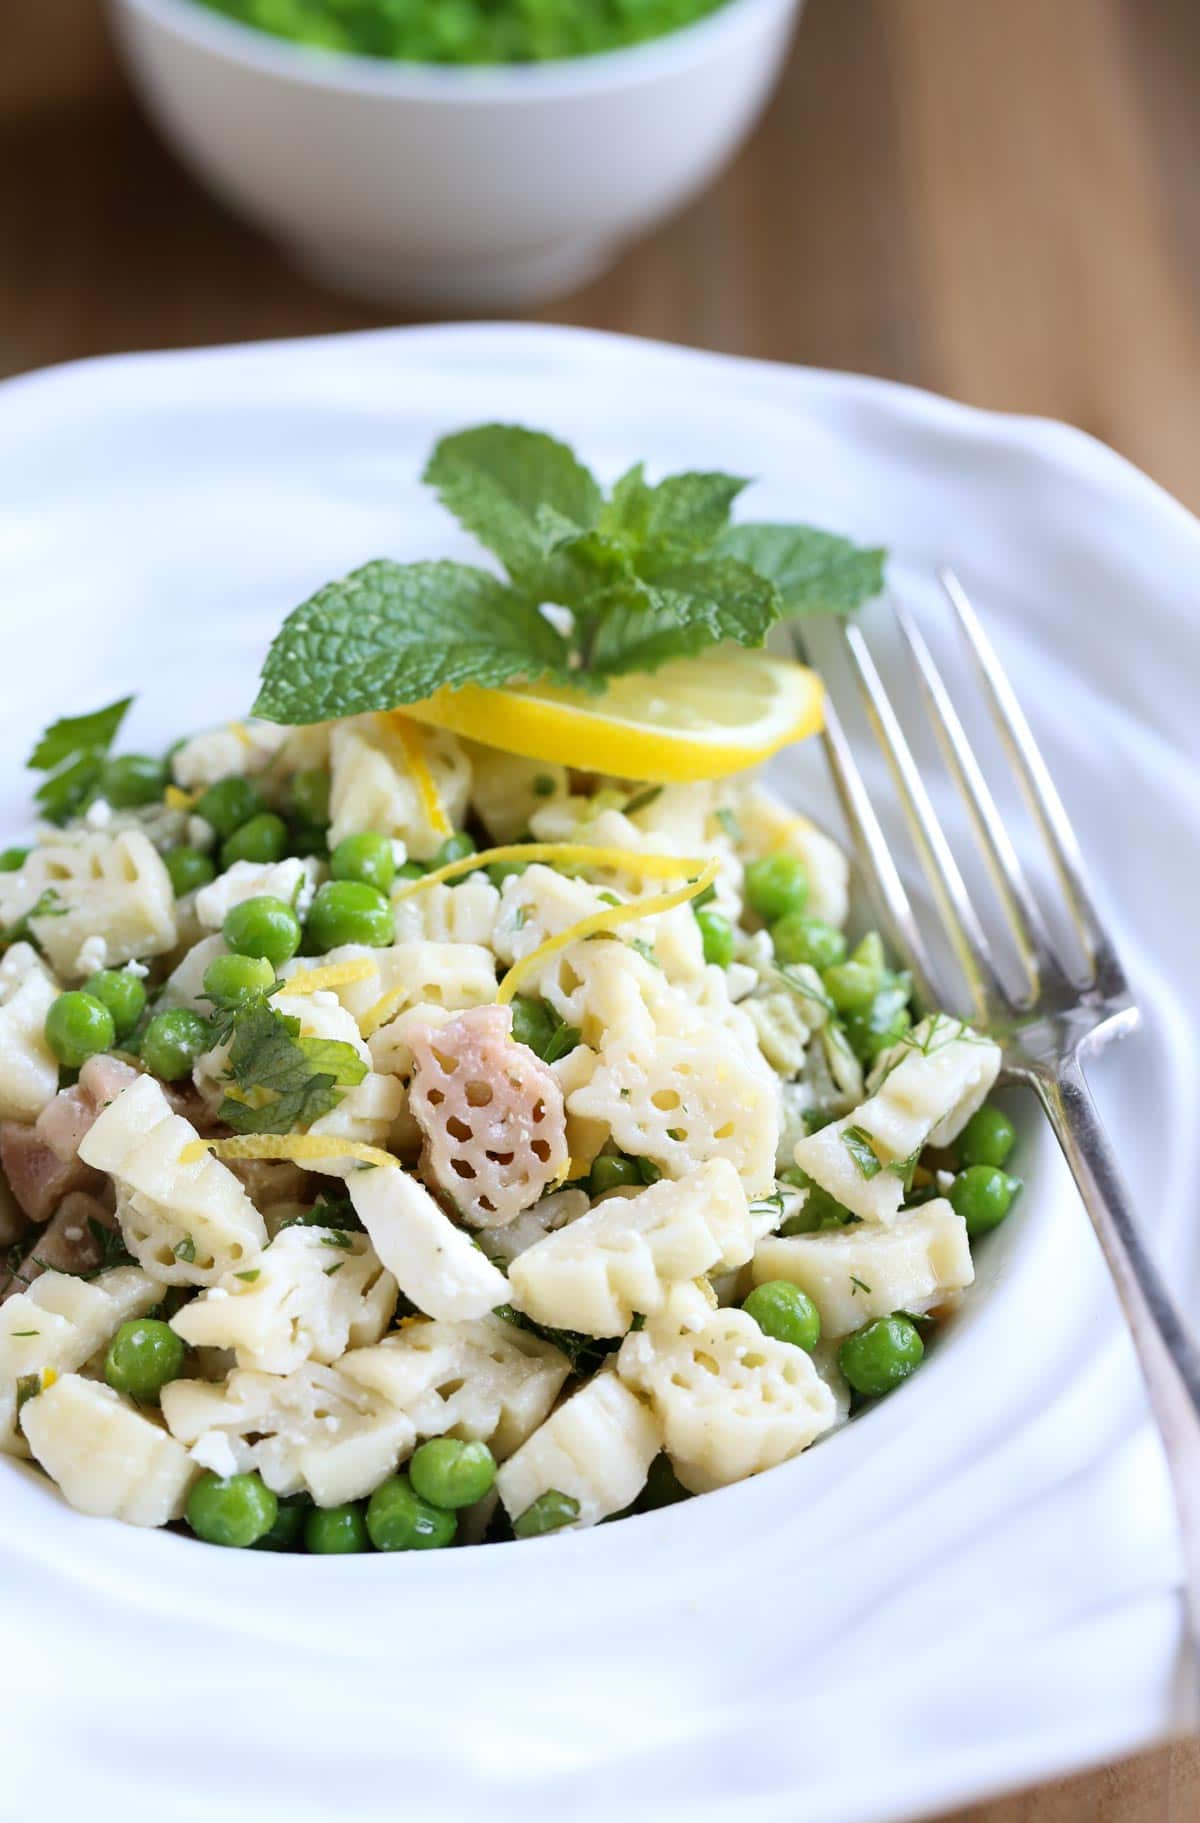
x=1040 y=794
x=958 y=914
x=1007 y=875
x=892 y=904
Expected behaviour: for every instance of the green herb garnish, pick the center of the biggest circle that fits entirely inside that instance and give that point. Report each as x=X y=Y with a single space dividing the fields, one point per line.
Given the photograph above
x=288 y=1081
x=72 y=752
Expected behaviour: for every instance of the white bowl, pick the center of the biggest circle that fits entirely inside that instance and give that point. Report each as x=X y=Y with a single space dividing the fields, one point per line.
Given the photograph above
x=973 y=1585
x=486 y=188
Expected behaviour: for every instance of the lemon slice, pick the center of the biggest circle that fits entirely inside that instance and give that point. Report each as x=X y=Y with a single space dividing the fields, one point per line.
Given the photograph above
x=696 y=718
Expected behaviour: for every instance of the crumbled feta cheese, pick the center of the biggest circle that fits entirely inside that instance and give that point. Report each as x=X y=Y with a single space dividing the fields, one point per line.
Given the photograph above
x=945 y=1182
x=99 y=815
x=138 y=970
x=93 y=954
x=216 y=1292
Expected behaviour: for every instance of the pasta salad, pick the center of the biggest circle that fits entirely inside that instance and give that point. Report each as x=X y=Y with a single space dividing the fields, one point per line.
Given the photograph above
x=409 y=1139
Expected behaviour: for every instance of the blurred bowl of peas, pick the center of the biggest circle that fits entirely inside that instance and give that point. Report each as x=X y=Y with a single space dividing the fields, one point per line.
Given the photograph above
x=467 y=155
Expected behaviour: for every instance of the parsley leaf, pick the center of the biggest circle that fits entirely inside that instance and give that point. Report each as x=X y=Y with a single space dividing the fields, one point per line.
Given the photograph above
x=289 y=1081
x=858 y=1145
x=585 y=1353
x=815 y=572
x=72 y=751
x=367 y=642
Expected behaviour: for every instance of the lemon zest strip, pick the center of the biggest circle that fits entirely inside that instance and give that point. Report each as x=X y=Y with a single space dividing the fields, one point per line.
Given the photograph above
x=382 y=1011
x=240 y=732
x=333 y=975
x=412 y=740
x=600 y=923
x=583 y=854
x=176 y=799
x=298 y=1147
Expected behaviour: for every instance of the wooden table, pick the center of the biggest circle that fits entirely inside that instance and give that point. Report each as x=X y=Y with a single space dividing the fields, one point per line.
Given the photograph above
x=993 y=198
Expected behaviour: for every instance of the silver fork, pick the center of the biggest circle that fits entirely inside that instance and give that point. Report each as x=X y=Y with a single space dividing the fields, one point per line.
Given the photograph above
x=1060 y=1019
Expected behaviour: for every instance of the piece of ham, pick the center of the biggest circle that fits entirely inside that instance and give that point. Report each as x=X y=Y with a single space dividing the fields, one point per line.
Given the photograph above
x=64 y=1122
x=492 y=1115
x=68 y=1243
x=37 y=1177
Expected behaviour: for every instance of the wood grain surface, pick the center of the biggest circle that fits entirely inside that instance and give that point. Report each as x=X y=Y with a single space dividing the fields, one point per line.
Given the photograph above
x=993 y=198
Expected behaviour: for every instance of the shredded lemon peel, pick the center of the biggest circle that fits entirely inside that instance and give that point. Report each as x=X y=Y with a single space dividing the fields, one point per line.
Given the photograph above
x=582 y=854
x=600 y=923
x=298 y=1147
x=412 y=740
x=332 y=975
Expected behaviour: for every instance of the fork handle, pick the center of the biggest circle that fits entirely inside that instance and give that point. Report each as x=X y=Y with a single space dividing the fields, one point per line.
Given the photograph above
x=1169 y=1358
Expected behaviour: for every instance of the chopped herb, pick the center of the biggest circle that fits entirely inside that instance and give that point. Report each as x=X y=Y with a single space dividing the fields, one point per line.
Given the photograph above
x=643 y=800
x=248 y=1278
x=28 y=1387
x=336 y=1267
x=609 y=899
x=113 y=1251
x=903 y=1168
x=645 y=950
x=585 y=1353
x=336 y=1238
x=185 y=1250
x=805 y=982
x=47 y=905
x=857 y=1285
x=561 y=1043
x=26 y=1332
x=729 y=823
x=768 y=1205
x=72 y=753
x=543 y=785
x=293 y=1080
x=858 y=1145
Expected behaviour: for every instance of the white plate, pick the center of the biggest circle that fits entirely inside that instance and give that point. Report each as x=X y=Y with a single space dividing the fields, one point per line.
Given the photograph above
x=973 y=1586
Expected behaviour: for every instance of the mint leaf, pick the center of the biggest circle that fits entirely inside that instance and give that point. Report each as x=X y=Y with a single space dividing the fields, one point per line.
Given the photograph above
x=295 y=1079
x=394 y=633
x=815 y=572
x=499 y=479
x=689 y=606
x=73 y=751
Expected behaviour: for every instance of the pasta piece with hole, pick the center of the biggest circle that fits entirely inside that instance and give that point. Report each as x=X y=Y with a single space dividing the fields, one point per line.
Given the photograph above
x=109 y=1459
x=373 y=785
x=854 y=1275
x=57 y=1325
x=28 y=1067
x=314 y=1293
x=595 y=1274
x=596 y=1448
x=112 y=888
x=464 y=911
x=731 y=1401
x=184 y=1224
x=311 y=1431
x=492 y=1115
x=435 y=1264
x=488 y=1381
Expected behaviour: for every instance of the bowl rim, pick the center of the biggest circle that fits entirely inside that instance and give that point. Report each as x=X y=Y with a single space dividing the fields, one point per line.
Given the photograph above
x=309 y=66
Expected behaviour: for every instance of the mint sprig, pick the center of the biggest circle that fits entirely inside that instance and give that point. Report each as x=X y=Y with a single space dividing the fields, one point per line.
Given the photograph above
x=648 y=573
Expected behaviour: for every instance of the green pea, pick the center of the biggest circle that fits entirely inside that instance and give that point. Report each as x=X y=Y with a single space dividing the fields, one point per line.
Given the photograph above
x=142 y=1357
x=882 y=1022
x=800 y=939
x=288 y=1529
x=648 y=1171
x=534 y=1023
x=79 y=1026
x=230 y=803
x=132 y=780
x=172 y=1042
x=854 y=984
x=309 y=795
x=188 y=869
x=987 y=1139
x=449 y=1473
x=262 y=839
x=455 y=848
x=123 y=995
x=399 y=1520
x=235 y=1510
x=776 y=886
x=716 y=933
x=12 y=860
x=500 y=871
x=232 y=980
x=365 y=857
x=349 y=911
x=412 y=870
x=784 y=1311
x=878 y=1357
x=264 y=927
x=336 y=1531
x=549 y=1512
x=983 y=1196
x=612 y=1172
